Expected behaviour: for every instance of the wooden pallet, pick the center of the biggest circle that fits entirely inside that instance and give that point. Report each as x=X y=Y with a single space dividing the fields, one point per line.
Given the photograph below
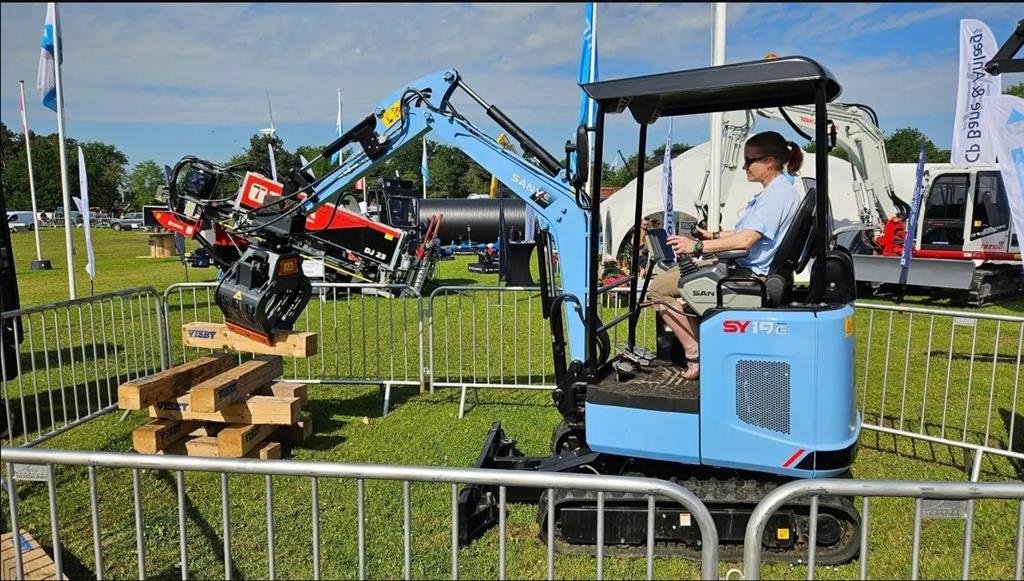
x=209 y=408
x=35 y=562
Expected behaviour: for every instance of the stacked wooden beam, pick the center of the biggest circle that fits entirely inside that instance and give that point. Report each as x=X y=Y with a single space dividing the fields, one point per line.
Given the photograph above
x=215 y=407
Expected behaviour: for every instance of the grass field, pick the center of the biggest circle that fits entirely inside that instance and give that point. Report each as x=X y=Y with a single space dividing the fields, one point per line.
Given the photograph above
x=378 y=337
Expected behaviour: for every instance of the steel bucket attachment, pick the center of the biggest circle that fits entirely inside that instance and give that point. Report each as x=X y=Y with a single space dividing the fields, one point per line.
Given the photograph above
x=262 y=292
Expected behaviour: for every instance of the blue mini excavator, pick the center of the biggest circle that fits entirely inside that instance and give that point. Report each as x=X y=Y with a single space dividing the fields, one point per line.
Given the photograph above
x=775 y=400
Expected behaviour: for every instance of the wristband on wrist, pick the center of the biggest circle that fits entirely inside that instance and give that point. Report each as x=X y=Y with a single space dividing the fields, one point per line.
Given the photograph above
x=698 y=247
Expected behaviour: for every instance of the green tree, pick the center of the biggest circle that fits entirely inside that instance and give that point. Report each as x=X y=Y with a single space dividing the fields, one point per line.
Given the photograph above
x=837 y=151
x=321 y=167
x=905 y=143
x=105 y=167
x=1016 y=89
x=143 y=182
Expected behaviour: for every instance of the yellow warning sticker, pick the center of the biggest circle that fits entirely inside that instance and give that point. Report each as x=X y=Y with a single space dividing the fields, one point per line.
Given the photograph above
x=389 y=236
x=237 y=296
x=848 y=326
x=392 y=114
x=782 y=534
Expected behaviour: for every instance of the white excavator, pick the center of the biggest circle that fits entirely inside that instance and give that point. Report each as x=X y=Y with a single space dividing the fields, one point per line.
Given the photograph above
x=964 y=240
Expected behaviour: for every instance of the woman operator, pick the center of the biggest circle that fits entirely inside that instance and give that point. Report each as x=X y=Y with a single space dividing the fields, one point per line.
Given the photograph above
x=763 y=223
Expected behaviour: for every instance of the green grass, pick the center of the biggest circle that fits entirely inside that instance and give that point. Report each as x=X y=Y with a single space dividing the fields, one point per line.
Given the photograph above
x=366 y=336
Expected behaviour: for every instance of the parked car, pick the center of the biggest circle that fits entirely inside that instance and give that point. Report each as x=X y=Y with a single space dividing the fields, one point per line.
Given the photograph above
x=132 y=221
x=20 y=220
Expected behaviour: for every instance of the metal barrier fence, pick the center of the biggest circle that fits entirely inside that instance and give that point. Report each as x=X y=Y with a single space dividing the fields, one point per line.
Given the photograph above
x=946 y=377
x=360 y=340
x=72 y=356
x=497 y=337
x=880 y=488
x=319 y=474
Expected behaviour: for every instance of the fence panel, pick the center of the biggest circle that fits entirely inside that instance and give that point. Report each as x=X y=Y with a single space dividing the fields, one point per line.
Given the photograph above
x=946 y=376
x=72 y=356
x=267 y=539
x=921 y=491
x=497 y=337
x=362 y=338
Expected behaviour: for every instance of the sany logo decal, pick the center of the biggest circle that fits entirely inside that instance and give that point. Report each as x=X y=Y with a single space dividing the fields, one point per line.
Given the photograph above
x=755 y=327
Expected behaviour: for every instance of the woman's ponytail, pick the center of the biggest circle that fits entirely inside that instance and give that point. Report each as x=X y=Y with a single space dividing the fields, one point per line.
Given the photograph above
x=796 y=158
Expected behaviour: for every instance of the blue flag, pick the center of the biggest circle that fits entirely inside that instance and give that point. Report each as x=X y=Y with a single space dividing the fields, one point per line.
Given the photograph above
x=336 y=158
x=423 y=167
x=46 y=78
x=588 y=68
x=588 y=61
x=915 y=207
x=666 y=184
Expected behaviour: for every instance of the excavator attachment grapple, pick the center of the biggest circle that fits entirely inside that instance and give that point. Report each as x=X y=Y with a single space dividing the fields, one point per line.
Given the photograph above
x=262 y=292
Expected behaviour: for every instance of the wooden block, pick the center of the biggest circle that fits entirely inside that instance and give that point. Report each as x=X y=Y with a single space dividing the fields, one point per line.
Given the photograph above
x=207 y=429
x=297 y=433
x=236 y=441
x=158 y=434
x=256 y=409
x=143 y=392
x=217 y=336
x=35 y=562
x=234 y=384
x=207 y=446
x=284 y=389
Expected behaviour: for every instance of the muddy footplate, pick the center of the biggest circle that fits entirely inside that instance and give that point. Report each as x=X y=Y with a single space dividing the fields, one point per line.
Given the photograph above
x=660 y=387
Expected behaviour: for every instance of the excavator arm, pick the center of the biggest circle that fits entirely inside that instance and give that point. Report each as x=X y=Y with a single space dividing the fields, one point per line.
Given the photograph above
x=421 y=107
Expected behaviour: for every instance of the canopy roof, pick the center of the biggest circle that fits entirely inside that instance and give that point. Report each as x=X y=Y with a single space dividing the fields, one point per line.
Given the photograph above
x=751 y=85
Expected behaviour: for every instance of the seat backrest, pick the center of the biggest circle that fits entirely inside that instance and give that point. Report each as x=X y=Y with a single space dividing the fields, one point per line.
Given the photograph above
x=795 y=241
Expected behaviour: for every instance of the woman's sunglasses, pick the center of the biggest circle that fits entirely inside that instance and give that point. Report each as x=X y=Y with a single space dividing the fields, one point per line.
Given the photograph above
x=749 y=160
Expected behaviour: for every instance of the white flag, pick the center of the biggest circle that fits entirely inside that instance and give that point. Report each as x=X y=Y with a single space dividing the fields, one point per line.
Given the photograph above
x=972 y=138
x=83 y=207
x=46 y=80
x=1005 y=115
x=666 y=184
x=273 y=164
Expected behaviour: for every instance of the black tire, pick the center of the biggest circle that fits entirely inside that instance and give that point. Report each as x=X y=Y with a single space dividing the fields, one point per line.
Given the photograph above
x=116 y=226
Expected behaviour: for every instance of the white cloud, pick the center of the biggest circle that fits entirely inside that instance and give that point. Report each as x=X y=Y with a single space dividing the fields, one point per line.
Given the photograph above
x=211 y=64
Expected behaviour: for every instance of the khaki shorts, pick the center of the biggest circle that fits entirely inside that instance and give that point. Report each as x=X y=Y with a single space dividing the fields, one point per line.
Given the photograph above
x=664 y=288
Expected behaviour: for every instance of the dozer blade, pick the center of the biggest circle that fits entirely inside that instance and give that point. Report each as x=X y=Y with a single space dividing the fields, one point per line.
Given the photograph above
x=262 y=292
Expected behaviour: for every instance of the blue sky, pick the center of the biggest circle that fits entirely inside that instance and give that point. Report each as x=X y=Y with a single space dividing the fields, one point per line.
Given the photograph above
x=161 y=81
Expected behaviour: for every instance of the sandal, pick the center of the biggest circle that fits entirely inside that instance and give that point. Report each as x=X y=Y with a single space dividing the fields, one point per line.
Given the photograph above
x=692 y=372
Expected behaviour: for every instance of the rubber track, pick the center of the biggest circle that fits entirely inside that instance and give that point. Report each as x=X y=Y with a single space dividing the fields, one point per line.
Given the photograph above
x=714 y=492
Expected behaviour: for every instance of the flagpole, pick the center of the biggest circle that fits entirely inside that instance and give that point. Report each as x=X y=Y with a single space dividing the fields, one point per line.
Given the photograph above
x=715 y=163
x=64 y=184
x=38 y=263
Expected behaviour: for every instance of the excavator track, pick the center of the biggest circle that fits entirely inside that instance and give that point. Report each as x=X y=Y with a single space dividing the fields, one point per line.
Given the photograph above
x=677 y=534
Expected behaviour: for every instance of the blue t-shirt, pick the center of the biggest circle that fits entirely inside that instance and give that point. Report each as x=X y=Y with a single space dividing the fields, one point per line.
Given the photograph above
x=769 y=213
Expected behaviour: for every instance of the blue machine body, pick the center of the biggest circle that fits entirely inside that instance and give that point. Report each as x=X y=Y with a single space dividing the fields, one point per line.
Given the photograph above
x=776 y=396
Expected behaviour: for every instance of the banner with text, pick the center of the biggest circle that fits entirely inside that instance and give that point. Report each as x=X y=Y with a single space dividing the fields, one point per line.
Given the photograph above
x=972 y=139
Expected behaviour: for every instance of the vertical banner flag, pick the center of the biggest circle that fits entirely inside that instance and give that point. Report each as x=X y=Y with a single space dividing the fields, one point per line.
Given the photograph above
x=336 y=158
x=46 y=80
x=915 y=208
x=1005 y=115
x=972 y=138
x=588 y=67
x=666 y=184
x=273 y=163
x=423 y=169
x=83 y=207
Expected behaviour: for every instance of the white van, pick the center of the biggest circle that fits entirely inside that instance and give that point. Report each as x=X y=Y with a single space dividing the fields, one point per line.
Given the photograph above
x=21 y=220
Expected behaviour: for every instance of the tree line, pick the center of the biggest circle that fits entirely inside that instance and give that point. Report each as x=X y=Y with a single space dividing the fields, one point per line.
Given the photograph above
x=113 y=186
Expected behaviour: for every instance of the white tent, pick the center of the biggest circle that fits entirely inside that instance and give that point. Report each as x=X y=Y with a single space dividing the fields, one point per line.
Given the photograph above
x=687 y=175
